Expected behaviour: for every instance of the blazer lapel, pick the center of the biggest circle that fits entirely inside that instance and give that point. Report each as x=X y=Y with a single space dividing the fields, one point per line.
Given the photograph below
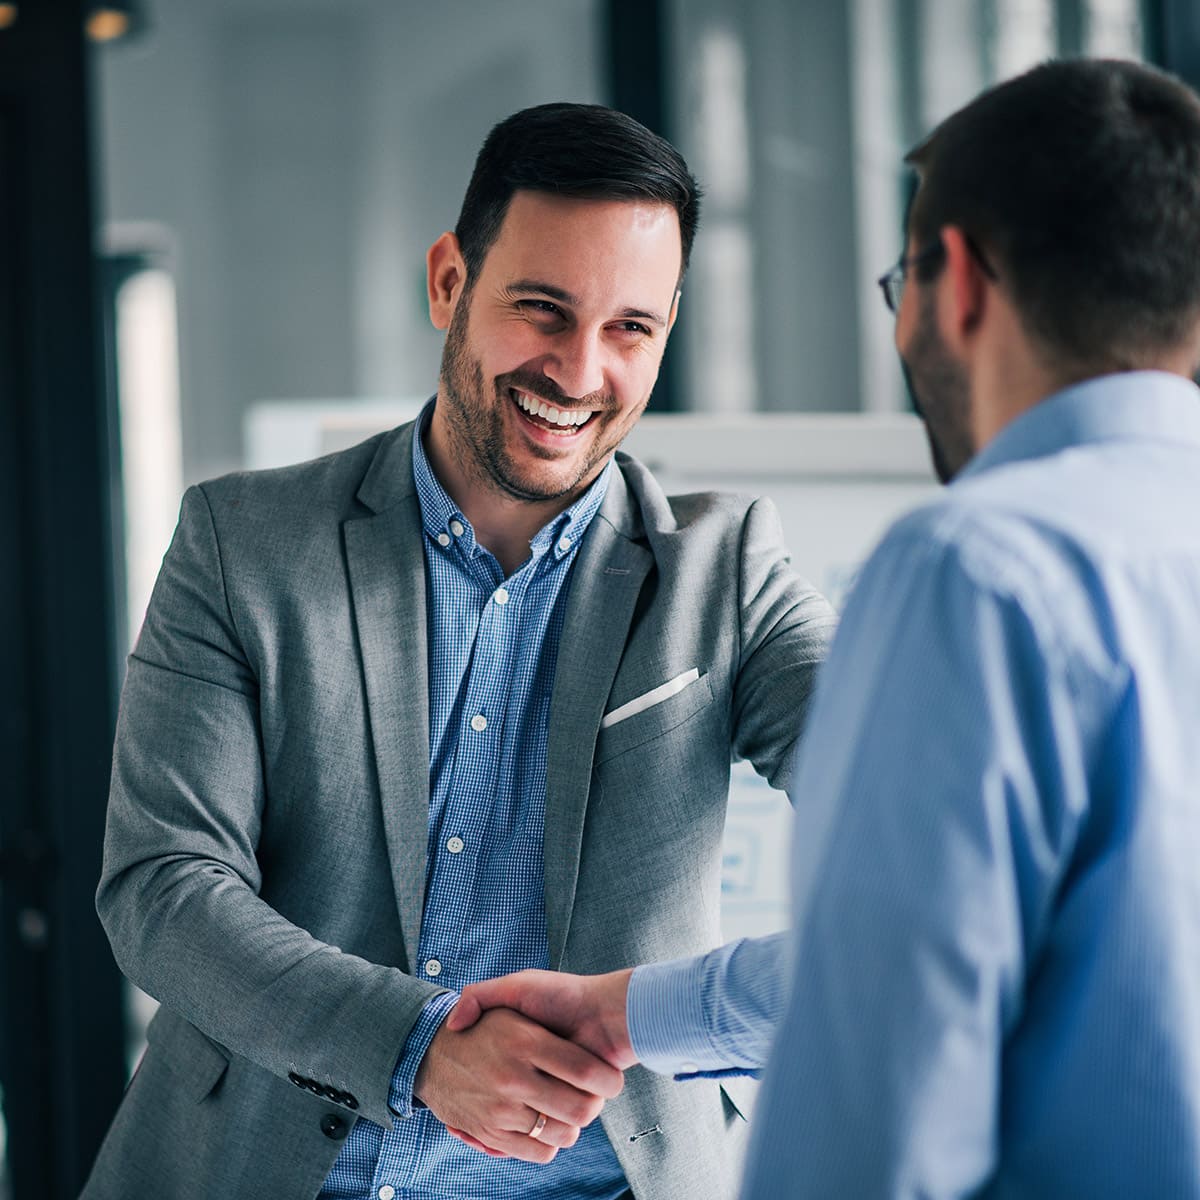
x=386 y=563
x=606 y=579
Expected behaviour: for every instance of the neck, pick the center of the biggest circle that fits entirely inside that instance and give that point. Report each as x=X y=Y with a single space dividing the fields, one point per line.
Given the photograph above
x=504 y=524
x=1010 y=376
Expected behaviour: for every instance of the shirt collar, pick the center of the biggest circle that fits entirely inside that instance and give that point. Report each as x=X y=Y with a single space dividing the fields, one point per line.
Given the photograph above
x=442 y=518
x=1143 y=405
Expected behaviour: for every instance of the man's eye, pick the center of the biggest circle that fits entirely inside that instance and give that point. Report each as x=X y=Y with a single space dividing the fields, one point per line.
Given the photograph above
x=634 y=327
x=541 y=307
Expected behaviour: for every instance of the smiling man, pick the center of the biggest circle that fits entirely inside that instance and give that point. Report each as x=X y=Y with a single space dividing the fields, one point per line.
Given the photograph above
x=992 y=984
x=456 y=702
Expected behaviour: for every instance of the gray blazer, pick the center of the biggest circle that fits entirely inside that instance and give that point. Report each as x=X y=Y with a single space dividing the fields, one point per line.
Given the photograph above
x=264 y=863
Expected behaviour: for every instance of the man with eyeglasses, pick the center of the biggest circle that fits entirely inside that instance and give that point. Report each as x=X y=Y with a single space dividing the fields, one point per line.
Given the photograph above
x=992 y=987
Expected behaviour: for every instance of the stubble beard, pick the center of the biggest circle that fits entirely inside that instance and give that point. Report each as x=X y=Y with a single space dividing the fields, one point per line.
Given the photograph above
x=941 y=395
x=475 y=424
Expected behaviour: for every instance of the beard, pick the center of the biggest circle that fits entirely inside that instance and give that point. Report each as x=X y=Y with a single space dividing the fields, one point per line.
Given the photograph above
x=476 y=423
x=941 y=395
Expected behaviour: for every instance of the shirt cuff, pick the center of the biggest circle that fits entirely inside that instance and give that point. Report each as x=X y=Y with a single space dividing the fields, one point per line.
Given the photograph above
x=710 y=1016
x=400 y=1097
x=663 y=1009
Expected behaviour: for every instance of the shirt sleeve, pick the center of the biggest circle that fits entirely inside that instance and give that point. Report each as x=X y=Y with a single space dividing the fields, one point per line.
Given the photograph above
x=938 y=791
x=710 y=1016
x=400 y=1094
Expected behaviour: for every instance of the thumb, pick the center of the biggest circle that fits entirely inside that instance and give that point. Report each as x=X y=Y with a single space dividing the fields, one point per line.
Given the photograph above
x=503 y=992
x=465 y=1013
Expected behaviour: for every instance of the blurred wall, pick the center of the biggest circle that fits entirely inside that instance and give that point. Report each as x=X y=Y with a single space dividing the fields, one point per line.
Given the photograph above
x=293 y=159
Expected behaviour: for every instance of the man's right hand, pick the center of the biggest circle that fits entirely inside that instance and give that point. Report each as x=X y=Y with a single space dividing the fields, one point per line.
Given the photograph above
x=492 y=1081
x=588 y=1009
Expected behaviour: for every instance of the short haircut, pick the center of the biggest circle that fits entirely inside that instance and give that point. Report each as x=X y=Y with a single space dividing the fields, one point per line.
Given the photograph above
x=1080 y=180
x=583 y=151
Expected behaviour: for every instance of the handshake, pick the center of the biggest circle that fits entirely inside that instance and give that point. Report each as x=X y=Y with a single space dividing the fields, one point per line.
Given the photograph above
x=525 y=1061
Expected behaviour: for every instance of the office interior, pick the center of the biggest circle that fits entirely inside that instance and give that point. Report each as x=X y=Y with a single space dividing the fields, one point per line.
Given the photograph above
x=213 y=222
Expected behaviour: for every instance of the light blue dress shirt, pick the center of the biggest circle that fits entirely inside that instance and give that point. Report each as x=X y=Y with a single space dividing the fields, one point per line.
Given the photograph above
x=493 y=647
x=994 y=979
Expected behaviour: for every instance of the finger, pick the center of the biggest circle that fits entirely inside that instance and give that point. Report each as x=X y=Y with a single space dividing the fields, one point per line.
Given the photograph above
x=557 y=1133
x=465 y=1013
x=520 y=1145
x=474 y=1143
x=559 y=1101
x=578 y=1067
x=506 y=991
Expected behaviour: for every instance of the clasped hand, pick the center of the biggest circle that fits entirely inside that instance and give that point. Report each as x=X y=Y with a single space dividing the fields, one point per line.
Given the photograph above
x=536 y=1043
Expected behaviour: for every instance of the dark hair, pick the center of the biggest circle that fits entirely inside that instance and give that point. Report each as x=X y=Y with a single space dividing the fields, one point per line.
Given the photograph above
x=1080 y=181
x=583 y=151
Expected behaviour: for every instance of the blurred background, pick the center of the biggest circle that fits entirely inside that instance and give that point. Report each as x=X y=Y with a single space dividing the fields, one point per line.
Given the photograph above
x=213 y=222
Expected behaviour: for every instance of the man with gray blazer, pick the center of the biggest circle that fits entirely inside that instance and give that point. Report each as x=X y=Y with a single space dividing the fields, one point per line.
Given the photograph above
x=458 y=701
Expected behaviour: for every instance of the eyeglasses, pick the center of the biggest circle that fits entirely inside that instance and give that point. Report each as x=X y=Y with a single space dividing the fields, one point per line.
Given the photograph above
x=891 y=282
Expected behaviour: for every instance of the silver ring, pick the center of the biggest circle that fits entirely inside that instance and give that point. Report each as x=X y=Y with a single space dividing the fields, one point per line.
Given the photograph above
x=538 y=1125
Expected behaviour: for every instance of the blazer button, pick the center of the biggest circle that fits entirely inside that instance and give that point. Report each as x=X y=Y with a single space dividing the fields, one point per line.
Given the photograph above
x=334 y=1127
x=350 y=1101
x=294 y=1078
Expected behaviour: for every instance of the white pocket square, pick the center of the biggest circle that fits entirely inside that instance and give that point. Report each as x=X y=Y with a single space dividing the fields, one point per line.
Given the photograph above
x=649 y=699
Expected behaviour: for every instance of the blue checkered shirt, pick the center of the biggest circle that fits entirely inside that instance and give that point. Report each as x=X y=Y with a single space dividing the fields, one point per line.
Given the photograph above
x=493 y=645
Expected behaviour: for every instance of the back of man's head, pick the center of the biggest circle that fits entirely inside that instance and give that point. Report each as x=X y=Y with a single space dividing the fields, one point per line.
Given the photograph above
x=1081 y=181
x=582 y=151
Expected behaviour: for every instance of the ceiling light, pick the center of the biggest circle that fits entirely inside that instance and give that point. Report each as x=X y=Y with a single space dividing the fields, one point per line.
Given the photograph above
x=111 y=20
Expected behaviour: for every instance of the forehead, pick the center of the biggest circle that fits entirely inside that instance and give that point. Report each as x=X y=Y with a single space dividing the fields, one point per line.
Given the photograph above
x=587 y=247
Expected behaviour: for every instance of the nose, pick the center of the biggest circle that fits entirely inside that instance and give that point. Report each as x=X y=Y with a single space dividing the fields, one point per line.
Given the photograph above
x=577 y=364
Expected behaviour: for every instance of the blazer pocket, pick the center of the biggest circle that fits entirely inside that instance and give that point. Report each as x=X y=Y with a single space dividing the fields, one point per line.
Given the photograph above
x=654 y=721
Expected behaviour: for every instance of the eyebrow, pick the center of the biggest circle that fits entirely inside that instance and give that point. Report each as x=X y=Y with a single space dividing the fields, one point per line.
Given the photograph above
x=572 y=301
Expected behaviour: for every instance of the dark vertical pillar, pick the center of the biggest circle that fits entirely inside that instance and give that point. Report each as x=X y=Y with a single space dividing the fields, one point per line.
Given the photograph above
x=638 y=79
x=1072 y=27
x=1173 y=37
x=61 y=1058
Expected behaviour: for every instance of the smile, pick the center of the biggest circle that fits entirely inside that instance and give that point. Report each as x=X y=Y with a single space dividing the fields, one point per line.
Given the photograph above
x=561 y=420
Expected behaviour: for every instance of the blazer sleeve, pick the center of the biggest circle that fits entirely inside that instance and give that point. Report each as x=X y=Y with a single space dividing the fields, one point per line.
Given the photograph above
x=787 y=628
x=179 y=892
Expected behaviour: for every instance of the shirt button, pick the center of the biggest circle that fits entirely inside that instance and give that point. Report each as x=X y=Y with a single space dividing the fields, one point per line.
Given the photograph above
x=479 y=722
x=456 y=528
x=386 y=1192
x=564 y=544
x=500 y=596
x=455 y=845
x=433 y=967
x=443 y=539
x=687 y=1068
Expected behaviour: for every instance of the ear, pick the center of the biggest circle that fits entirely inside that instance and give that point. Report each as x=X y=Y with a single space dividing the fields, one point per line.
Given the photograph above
x=963 y=301
x=445 y=278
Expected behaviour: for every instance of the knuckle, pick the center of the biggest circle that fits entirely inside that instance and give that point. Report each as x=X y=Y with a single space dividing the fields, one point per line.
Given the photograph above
x=584 y=1110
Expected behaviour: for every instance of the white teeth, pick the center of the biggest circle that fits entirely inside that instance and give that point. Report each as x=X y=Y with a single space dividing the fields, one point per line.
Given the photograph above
x=564 y=418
